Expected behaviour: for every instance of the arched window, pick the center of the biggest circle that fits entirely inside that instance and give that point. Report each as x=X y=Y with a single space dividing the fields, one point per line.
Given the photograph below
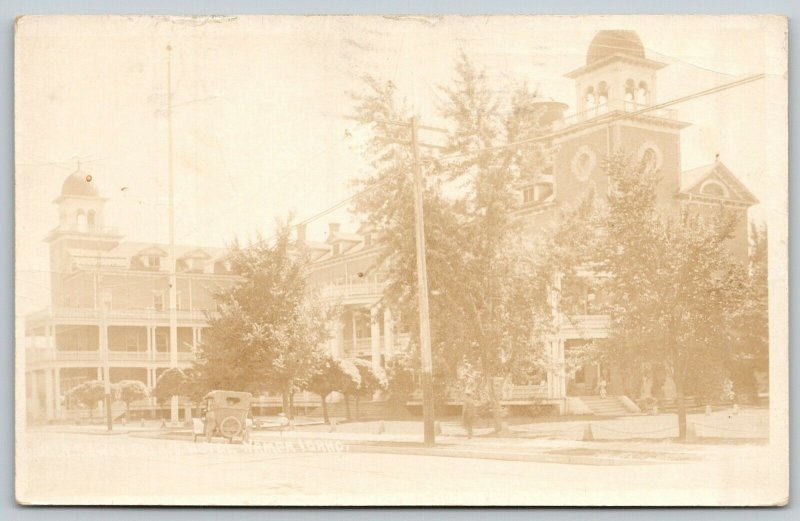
x=590 y=98
x=642 y=93
x=714 y=189
x=90 y=220
x=630 y=90
x=602 y=93
x=80 y=220
x=650 y=159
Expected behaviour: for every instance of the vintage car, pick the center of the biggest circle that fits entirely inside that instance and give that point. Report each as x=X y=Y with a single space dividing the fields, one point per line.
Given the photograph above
x=225 y=414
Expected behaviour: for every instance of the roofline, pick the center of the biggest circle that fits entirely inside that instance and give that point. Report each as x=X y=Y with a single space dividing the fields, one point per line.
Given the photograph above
x=86 y=197
x=644 y=62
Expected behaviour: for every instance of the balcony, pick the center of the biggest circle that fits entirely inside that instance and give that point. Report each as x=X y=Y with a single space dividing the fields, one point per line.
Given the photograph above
x=615 y=106
x=133 y=316
x=36 y=355
x=352 y=293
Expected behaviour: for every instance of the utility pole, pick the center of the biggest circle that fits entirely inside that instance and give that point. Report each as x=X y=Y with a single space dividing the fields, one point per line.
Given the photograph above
x=422 y=294
x=104 y=350
x=173 y=300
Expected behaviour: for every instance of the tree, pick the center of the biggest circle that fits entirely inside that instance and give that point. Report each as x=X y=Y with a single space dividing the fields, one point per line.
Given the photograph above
x=385 y=198
x=130 y=391
x=501 y=293
x=488 y=295
x=751 y=332
x=330 y=376
x=673 y=285
x=88 y=394
x=351 y=382
x=168 y=384
x=269 y=328
x=369 y=381
x=400 y=382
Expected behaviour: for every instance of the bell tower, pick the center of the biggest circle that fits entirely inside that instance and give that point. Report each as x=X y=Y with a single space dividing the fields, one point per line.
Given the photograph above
x=80 y=227
x=614 y=91
x=616 y=73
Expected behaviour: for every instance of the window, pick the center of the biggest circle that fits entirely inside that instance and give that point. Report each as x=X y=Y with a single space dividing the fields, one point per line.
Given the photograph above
x=107 y=298
x=714 y=189
x=153 y=262
x=649 y=159
x=583 y=163
x=158 y=302
x=131 y=342
x=336 y=249
x=602 y=93
x=630 y=90
x=162 y=342
x=80 y=220
x=589 y=98
x=650 y=155
x=528 y=195
x=642 y=93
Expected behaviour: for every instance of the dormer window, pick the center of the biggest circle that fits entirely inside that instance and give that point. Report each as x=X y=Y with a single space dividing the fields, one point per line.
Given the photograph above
x=153 y=262
x=528 y=195
x=336 y=249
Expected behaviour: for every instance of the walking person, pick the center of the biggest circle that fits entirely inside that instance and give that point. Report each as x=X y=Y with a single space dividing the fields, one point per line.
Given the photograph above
x=468 y=413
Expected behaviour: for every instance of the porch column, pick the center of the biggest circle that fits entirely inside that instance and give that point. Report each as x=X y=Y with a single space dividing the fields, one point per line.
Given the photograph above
x=57 y=391
x=149 y=343
x=563 y=373
x=34 y=402
x=194 y=339
x=353 y=324
x=100 y=373
x=49 y=399
x=375 y=337
x=388 y=334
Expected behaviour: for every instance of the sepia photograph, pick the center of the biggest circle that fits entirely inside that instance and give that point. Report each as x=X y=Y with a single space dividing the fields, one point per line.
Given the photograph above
x=401 y=260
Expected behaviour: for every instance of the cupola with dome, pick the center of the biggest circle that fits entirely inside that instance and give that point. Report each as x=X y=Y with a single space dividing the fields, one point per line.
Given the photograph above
x=80 y=206
x=617 y=74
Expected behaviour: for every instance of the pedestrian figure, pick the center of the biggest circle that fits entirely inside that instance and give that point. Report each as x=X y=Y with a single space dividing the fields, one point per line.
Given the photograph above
x=602 y=386
x=468 y=413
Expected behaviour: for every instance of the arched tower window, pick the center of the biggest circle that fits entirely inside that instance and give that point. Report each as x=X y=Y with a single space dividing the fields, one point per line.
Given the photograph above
x=589 y=98
x=642 y=93
x=602 y=93
x=80 y=220
x=90 y=219
x=630 y=90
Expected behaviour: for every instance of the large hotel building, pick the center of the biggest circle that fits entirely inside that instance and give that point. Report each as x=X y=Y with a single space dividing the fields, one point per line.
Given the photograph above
x=109 y=298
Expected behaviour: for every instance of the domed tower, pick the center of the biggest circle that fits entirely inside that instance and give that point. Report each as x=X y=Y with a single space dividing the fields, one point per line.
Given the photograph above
x=615 y=111
x=616 y=71
x=80 y=227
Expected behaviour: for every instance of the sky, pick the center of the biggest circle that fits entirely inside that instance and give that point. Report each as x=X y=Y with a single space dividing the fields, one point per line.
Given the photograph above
x=258 y=102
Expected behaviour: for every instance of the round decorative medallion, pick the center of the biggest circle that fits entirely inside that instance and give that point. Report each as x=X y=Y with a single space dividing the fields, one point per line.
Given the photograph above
x=583 y=163
x=651 y=155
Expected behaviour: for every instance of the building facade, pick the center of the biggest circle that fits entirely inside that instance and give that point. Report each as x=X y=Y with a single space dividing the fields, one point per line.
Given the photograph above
x=109 y=315
x=109 y=298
